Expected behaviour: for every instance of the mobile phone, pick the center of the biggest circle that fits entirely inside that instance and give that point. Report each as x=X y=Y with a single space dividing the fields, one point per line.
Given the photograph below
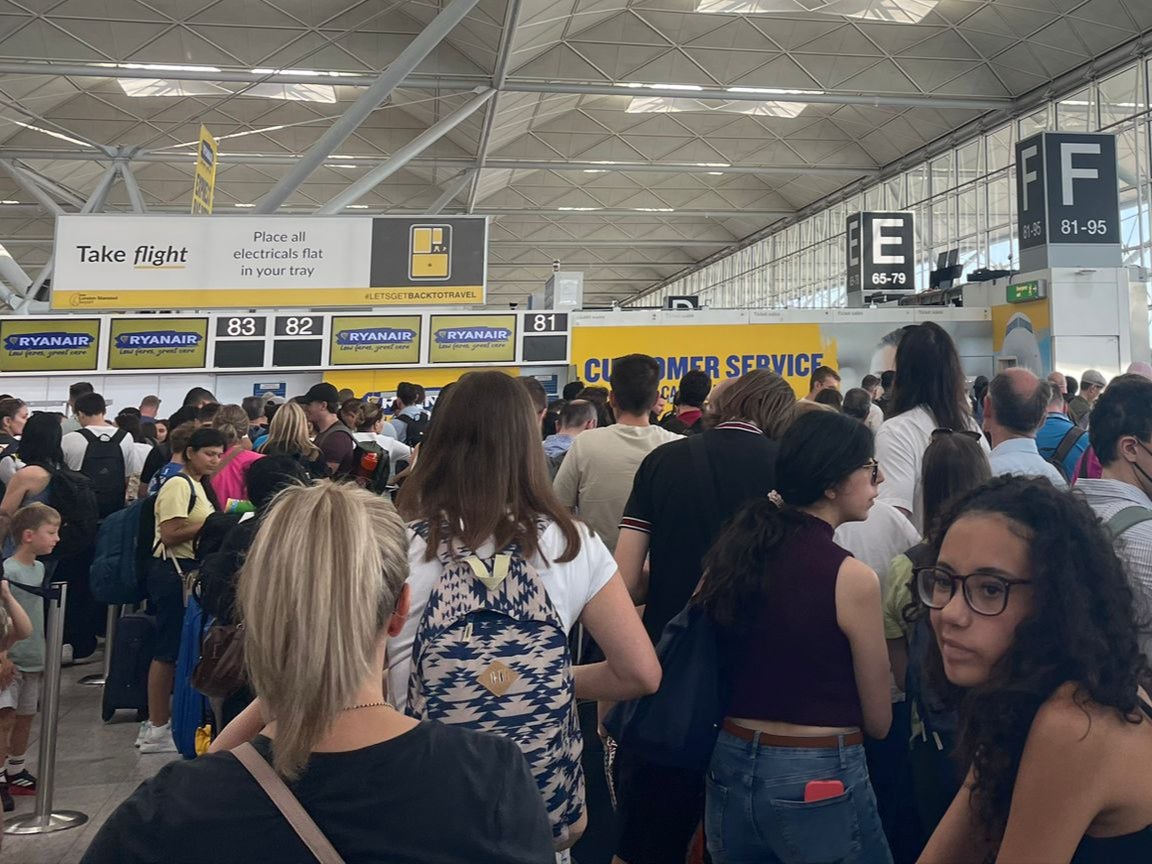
x=819 y=790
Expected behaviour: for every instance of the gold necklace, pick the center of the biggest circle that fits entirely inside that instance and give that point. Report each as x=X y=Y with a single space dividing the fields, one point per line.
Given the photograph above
x=367 y=705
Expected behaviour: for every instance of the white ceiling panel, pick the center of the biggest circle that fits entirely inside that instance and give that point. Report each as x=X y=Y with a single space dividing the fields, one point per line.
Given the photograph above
x=681 y=176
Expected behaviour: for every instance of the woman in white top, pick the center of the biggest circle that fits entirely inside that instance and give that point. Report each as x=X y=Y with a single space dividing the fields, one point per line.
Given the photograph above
x=929 y=394
x=482 y=483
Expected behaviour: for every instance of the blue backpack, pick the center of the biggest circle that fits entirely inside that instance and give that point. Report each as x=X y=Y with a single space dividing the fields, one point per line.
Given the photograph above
x=124 y=547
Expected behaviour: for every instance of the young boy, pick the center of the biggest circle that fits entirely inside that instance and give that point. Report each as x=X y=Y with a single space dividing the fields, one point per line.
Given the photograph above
x=35 y=531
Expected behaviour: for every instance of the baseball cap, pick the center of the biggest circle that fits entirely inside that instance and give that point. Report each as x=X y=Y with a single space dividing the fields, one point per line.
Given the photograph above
x=322 y=392
x=1091 y=376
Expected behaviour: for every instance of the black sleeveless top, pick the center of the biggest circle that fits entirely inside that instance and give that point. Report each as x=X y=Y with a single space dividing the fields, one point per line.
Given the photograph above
x=1133 y=848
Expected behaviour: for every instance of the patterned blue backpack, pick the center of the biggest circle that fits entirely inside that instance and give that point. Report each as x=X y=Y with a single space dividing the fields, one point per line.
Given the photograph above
x=491 y=654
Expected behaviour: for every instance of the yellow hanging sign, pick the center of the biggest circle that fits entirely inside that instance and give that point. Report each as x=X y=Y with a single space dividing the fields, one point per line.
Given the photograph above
x=204 y=186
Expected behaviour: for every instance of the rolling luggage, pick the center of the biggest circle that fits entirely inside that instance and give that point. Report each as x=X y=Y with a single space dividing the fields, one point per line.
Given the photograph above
x=127 y=684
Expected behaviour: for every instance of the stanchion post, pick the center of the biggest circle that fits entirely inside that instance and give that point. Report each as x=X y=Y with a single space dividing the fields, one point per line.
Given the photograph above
x=98 y=679
x=44 y=820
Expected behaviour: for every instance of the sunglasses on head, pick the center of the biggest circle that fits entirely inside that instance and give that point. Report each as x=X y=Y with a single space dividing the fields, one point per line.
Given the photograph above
x=967 y=433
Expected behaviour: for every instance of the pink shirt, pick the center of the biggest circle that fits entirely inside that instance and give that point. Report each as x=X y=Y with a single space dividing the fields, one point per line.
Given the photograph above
x=229 y=483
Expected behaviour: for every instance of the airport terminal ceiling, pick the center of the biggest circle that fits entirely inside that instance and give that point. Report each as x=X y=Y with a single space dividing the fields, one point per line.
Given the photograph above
x=629 y=139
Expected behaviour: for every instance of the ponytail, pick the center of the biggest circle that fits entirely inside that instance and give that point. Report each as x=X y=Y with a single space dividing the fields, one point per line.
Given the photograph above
x=735 y=573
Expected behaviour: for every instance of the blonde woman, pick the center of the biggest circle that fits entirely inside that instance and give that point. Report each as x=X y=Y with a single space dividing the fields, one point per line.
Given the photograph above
x=228 y=482
x=290 y=434
x=321 y=591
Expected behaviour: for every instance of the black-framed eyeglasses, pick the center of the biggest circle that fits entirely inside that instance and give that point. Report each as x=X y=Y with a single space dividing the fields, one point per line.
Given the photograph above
x=967 y=433
x=985 y=593
x=875 y=466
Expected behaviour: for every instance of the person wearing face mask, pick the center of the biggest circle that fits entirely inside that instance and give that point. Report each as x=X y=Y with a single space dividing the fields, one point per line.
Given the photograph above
x=1035 y=626
x=804 y=645
x=1121 y=437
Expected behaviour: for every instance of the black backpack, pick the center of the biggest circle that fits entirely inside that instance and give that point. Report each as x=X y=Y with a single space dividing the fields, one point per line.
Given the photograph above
x=1067 y=444
x=104 y=465
x=416 y=427
x=73 y=495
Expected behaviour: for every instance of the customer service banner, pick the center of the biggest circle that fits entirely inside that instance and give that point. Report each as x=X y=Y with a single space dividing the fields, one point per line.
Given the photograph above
x=791 y=343
x=128 y=262
x=33 y=345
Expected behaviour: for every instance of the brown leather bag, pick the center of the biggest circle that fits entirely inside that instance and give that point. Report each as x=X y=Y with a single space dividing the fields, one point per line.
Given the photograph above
x=220 y=672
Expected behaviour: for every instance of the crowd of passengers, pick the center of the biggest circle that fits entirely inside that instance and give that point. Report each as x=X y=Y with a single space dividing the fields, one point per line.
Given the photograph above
x=908 y=622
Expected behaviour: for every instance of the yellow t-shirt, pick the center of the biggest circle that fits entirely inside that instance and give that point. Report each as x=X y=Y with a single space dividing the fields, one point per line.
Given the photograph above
x=899 y=596
x=172 y=503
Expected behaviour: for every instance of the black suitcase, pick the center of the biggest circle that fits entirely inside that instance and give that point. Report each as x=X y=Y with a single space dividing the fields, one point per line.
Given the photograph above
x=132 y=648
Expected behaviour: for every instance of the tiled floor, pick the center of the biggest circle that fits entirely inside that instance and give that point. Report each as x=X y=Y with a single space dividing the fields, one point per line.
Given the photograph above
x=96 y=768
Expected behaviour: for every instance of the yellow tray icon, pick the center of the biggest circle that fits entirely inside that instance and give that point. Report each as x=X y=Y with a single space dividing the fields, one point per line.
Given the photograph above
x=430 y=252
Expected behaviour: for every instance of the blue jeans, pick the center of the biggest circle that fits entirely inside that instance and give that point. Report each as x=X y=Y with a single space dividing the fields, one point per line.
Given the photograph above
x=755 y=811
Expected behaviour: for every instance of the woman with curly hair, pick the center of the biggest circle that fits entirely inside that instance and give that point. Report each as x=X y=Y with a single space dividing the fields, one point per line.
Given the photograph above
x=1034 y=619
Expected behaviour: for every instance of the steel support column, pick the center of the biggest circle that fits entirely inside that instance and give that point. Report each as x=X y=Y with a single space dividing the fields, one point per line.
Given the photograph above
x=26 y=182
x=94 y=204
x=371 y=99
x=132 y=187
x=455 y=186
x=357 y=190
x=499 y=78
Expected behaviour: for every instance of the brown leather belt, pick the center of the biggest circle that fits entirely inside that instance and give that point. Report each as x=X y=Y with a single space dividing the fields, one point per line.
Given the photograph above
x=814 y=741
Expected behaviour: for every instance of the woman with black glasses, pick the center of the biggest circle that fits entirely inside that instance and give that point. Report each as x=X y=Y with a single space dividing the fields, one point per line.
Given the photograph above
x=801 y=624
x=1035 y=626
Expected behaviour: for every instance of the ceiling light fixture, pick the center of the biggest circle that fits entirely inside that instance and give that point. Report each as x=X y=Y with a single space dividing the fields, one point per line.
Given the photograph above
x=8 y=201
x=356 y=207
x=654 y=209
x=577 y=209
x=243 y=205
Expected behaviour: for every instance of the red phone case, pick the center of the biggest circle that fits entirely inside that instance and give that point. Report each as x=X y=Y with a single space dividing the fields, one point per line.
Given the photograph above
x=818 y=790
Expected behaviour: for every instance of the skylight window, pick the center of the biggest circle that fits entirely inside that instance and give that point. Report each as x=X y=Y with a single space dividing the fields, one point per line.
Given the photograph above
x=161 y=87
x=50 y=132
x=677 y=105
x=899 y=11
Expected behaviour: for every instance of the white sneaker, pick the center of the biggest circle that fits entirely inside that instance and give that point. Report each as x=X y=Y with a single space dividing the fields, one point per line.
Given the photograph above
x=142 y=734
x=158 y=739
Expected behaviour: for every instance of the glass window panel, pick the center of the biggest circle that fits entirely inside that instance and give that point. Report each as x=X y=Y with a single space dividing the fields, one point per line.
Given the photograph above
x=1037 y=121
x=943 y=177
x=1001 y=147
x=1076 y=112
x=1001 y=199
x=970 y=161
x=1121 y=96
x=967 y=211
x=917 y=183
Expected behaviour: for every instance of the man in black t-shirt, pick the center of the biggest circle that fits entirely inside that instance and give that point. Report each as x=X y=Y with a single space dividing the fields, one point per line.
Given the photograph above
x=335 y=440
x=659 y=807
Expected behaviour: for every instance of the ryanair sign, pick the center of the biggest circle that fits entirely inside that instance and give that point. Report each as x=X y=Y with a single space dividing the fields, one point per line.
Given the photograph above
x=473 y=339
x=168 y=343
x=376 y=340
x=31 y=345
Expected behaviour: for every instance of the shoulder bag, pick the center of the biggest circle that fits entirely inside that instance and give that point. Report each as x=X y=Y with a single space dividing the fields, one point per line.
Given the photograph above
x=677 y=726
x=289 y=807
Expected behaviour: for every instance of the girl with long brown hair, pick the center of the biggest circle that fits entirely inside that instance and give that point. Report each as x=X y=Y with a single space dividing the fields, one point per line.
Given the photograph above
x=479 y=490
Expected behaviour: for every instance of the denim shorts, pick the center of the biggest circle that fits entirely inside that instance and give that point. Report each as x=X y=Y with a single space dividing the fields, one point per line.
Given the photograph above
x=755 y=811
x=166 y=602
